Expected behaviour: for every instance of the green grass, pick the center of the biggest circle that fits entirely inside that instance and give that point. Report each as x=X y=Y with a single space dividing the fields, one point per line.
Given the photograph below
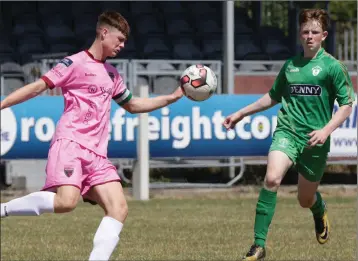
x=183 y=229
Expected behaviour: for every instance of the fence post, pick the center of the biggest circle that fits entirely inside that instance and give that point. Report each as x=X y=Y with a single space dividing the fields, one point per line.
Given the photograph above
x=141 y=168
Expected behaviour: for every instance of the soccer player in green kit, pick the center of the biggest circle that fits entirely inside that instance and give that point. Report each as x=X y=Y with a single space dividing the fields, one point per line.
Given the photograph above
x=306 y=86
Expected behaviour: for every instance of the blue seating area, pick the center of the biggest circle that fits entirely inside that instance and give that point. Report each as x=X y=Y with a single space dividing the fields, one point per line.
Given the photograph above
x=160 y=30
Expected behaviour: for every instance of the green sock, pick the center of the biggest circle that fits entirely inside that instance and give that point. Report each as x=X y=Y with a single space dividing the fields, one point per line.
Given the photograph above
x=265 y=210
x=318 y=207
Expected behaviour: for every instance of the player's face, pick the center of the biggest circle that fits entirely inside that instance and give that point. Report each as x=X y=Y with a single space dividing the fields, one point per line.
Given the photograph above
x=113 y=42
x=312 y=36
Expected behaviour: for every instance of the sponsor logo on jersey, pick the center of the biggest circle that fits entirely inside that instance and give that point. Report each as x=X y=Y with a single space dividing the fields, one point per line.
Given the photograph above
x=66 y=61
x=305 y=90
x=316 y=70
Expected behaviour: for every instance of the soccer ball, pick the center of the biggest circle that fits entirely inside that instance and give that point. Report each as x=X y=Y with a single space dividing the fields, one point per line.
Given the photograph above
x=198 y=82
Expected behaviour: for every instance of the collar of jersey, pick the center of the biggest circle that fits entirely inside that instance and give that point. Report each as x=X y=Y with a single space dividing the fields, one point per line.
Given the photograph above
x=318 y=56
x=92 y=57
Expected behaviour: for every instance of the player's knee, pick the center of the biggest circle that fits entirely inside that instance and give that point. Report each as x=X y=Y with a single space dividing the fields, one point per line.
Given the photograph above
x=272 y=182
x=119 y=210
x=305 y=202
x=65 y=204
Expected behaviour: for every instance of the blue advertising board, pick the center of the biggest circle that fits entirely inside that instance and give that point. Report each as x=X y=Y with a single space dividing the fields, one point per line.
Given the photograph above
x=183 y=129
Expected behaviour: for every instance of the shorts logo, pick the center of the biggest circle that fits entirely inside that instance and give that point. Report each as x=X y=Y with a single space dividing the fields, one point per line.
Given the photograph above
x=316 y=70
x=66 y=61
x=8 y=130
x=305 y=90
x=283 y=143
x=68 y=171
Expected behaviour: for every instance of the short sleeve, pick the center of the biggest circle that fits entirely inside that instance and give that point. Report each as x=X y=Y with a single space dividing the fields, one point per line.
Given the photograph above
x=60 y=75
x=278 y=86
x=342 y=84
x=121 y=94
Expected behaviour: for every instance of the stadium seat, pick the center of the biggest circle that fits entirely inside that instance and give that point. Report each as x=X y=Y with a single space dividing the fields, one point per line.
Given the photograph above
x=11 y=84
x=7 y=57
x=165 y=84
x=212 y=48
x=26 y=25
x=13 y=77
x=79 y=8
x=197 y=8
x=20 y=8
x=208 y=26
x=178 y=26
x=85 y=25
x=271 y=32
x=58 y=33
x=242 y=28
x=171 y=7
x=50 y=8
x=31 y=71
x=63 y=47
x=5 y=46
x=31 y=45
x=276 y=49
x=249 y=51
x=186 y=49
x=138 y=9
x=156 y=48
x=56 y=20
x=159 y=65
x=11 y=68
x=149 y=24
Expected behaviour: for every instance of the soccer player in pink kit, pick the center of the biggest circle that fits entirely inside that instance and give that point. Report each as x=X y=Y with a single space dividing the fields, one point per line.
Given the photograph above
x=77 y=160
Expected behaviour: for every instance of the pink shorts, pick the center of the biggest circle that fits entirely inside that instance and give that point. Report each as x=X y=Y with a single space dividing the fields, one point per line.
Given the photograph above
x=69 y=163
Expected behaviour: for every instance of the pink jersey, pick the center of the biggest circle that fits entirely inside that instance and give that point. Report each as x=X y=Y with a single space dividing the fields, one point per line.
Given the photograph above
x=88 y=86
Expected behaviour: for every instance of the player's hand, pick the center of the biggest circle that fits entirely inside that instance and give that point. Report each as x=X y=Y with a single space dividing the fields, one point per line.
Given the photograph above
x=317 y=137
x=231 y=120
x=178 y=93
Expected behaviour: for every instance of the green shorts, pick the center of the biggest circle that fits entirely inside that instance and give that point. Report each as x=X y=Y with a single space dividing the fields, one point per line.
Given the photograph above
x=310 y=163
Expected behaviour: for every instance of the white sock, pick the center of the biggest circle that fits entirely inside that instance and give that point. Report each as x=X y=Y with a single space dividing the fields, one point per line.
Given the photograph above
x=33 y=204
x=106 y=239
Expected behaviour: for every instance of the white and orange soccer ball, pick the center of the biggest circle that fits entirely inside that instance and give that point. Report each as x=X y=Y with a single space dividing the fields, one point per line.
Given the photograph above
x=198 y=82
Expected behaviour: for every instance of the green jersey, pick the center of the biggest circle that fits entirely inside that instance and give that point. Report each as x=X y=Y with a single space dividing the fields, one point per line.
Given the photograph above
x=307 y=89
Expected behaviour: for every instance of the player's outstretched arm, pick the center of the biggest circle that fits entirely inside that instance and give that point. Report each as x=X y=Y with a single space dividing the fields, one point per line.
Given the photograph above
x=141 y=105
x=23 y=94
x=264 y=103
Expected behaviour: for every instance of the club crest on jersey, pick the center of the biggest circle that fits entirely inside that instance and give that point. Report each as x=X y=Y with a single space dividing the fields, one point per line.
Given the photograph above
x=316 y=70
x=111 y=75
x=68 y=171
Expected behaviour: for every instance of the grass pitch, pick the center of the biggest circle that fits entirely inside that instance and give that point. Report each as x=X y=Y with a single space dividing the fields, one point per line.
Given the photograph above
x=184 y=229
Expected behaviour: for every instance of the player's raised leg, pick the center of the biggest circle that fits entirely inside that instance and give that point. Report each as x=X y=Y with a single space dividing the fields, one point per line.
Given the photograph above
x=309 y=197
x=111 y=198
x=277 y=166
x=37 y=203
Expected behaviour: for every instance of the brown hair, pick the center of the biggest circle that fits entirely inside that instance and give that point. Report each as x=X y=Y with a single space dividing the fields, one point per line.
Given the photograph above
x=115 y=20
x=319 y=15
